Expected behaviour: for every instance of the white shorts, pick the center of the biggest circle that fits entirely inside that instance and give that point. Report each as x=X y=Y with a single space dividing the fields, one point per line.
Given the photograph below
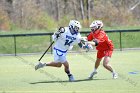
x=59 y=55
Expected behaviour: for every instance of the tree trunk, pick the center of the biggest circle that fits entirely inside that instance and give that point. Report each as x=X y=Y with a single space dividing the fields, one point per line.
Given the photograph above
x=88 y=10
x=74 y=8
x=57 y=10
x=65 y=6
x=82 y=9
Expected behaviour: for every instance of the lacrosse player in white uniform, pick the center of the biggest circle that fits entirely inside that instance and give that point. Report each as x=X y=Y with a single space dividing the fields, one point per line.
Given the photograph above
x=64 y=39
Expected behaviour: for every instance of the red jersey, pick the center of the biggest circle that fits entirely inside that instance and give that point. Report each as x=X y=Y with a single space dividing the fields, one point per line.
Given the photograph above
x=104 y=43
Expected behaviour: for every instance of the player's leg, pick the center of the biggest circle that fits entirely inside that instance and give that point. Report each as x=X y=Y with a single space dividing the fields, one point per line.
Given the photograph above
x=55 y=63
x=100 y=55
x=97 y=63
x=66 y=67
x=52 y=64
x=107 y=65
x=67 y=70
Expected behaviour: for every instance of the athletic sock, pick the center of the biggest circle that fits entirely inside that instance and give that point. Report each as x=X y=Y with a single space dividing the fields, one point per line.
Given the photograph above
x=95 y=70
x=113 y=72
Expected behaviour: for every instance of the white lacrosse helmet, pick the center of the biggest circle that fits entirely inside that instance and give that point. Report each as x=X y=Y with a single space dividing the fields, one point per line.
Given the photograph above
x=97 y=24
x=74 y=25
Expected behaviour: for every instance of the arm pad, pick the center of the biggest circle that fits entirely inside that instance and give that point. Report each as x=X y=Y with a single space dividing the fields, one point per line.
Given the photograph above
x=96 y=42
x=80 y=45
x=83 y=45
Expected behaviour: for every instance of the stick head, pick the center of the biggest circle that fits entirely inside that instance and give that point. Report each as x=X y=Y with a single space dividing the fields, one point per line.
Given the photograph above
x=61 y=30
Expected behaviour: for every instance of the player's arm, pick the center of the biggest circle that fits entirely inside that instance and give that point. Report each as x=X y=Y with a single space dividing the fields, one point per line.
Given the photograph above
x=57 y=34
x=82 y=44
x=93 y=43
x=91 y=40
x=89 y=37
x=85 y=44
x=110 y=44
x=81 y=41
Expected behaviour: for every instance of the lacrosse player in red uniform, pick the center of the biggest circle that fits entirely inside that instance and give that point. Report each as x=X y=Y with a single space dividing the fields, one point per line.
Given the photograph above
x=104 y=47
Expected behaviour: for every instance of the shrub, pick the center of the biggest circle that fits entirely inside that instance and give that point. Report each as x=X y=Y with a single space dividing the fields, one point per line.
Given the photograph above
x=4 y=21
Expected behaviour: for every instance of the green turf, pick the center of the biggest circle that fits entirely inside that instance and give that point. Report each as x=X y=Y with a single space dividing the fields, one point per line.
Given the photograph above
x=17 y=75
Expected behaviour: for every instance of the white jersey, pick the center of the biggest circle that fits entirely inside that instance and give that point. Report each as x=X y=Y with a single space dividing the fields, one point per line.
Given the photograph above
x=66 y=40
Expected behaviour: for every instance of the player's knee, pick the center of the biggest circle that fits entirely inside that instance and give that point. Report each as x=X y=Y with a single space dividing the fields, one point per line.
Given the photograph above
x=66 y=67
x=59 y=65
x=105 y=64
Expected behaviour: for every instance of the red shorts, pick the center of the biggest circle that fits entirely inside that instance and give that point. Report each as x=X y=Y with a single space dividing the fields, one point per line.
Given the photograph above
x=101 y=54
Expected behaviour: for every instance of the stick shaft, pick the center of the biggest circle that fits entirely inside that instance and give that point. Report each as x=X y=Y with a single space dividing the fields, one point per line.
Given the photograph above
x=46 y=51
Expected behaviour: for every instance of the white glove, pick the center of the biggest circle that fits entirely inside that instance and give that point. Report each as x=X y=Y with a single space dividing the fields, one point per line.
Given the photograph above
x=88 y=47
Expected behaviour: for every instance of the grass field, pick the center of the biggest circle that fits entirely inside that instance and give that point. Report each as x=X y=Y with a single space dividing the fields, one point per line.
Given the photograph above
x=17 y=74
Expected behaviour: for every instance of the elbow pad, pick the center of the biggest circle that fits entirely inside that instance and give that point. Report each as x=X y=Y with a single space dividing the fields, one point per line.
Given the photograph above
x=80 y=45
x=96 y=42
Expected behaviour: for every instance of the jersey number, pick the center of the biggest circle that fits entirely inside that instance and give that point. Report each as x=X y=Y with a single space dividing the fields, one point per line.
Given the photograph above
x=68 y=42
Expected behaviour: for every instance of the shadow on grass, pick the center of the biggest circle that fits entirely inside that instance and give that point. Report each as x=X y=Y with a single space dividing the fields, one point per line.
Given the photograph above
x=65 y=81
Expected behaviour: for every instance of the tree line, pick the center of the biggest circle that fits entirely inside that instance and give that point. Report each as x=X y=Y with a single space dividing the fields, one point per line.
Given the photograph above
x=47 y=14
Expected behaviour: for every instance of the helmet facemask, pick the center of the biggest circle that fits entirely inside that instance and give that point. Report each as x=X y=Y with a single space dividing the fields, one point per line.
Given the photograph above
x=93 y=29
x=74 y=26
x=75 y=30
x=95 y=25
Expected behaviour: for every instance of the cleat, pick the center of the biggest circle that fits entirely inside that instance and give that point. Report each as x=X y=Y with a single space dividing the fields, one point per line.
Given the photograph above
x=115 y=75
x=40 y=65
x=71 y=78
x=91 y=75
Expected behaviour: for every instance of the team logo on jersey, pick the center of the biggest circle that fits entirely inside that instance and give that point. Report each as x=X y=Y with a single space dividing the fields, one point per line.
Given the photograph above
x=70 y=37
x=69 y=40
